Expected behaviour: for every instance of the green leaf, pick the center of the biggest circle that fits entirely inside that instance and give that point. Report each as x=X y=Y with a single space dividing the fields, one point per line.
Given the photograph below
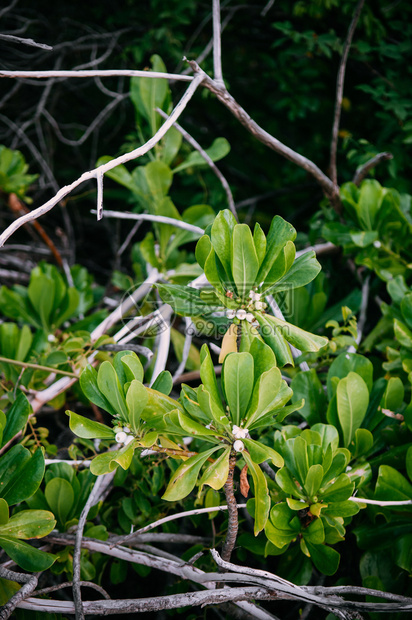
x=313 y=480
x=136 y=400
x=163 y=383
x=221 y=236
x=304 y=270
x=41 y=292
x=29 y=524
x=245 y=264
x=314 y=533
x=17 y=417
x=185 y=477
x=104 y=463
x=259 y=239
x=394 y=394
x=283 y=526
x=88 y=429
x=216 y=474
x=147 y=94
x=219 y=149
x=264 y=396
x=208 y=375
x=409 y=462
x=184 y=300
x=60 y=497
x=275 y=340
x=27 y=557
x=237 y=377
x=260 y=453
x=352 y=403
x=338 y=491
x=370 y=199
x=402 y=334
x=288 y=484
x=299 y=338
x=406 y=309
x=20 y=474
x=262 y=497
x=109 y=385
x=280 y=233
x=306 y=385
x=324 y=558
x=392 y=486
x=347 y=362
x=171 y=144
x=4 y=511
x=203 y=249
x=88 y=383
x=132 y=367
x=363 y=442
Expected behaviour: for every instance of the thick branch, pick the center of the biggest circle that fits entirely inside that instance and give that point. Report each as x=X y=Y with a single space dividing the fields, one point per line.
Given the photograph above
x=16 y=599
x=339 y=92
x=362 y=171
x=233 y=522
x=329 y=188
x=217 y=53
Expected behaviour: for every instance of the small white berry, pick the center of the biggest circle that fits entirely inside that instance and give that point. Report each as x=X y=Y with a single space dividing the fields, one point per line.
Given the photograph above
x=259 y=305
x=249 y=317
x=230 y=314
x=121 y=437
x=241 y=314
x=238 y=446
x=377 y=244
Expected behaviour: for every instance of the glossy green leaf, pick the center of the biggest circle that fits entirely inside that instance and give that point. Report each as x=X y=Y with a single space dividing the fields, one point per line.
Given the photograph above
x=283 y=526
x=184 y=300
x=219 y=149
x=352 y=402
x=221 y=235
x=88 y=383
x=280 y=232
x=104 y=463
x=324 y=558
x=88 y=429
x=17 y=417
x=261 y=494
x=350 y=362
x=215 y=475
x=148 y=94
x=391 y=485
x=4 y=511
x=314 y=533
x=60 y=497
x=133 y=367
x=304 y=270
x=306 y=385
x=370 y=199
x=339 y=491
x=275 y=340
x=237 y=376
x=20 y=474
x=299 y=338
x=259 y=239
x=244 y=260
x=29 y=524
x=136 y=400
x=41 y=292
x=109 y=385
x=185 y=477
x=313 y=480
x=27 y=557
x=260 y=453
x=402 y=334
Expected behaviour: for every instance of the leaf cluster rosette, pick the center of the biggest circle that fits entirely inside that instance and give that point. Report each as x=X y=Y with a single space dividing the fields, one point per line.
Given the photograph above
x=316 y=492
x=244 y=268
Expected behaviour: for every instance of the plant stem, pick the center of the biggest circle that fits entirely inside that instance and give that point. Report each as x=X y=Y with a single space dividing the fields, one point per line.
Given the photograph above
x=233 y=522
x=56 y=371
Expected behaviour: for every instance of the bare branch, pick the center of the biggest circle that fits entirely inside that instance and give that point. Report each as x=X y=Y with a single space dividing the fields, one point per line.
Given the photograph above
x=233 y=521
x=217 y=53
x=78 y=542
x=178 y=515
x=339 y=92
x=163 y=344
x=13 y=39
x=363 y=170
x=377 y=502
x=329 y=188
x=160 y=219
x=15 y=601
x=172 y=601
x=94 y=73
x=267 y=8
x=208 y=160
x=86 y=176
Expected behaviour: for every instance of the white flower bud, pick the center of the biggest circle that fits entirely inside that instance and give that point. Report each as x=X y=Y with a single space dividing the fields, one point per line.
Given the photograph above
x=377 y=244
x=238 y=446
x=126 y=429
x=249 y=317
x=241 y=314
x=259 y=305
x=121 y=437
x=51 y=338
x=230 y=314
